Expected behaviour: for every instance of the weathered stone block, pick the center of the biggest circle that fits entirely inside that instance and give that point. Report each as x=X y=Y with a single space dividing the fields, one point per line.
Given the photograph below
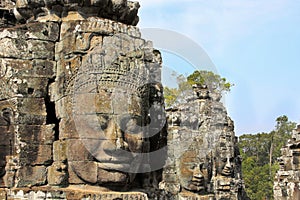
x=39 y=31
x=31 y=87
x=66 y=45
x=60 y=151
x=77 y=43
x=67 y=129
x=26 y=49
x=3 y=194
x=32 y=176
x=4 y=151
x=91 y=103
x=34 y=106
x=73 y=178
x=171 y=178
x=7 y=136
x=68 y=65
x=64 y=107
x=119 y=195
x=34 y=134
x=30 y=119
x=10 y=172
x=76 y=151
x=57 y=174
x=36 y=154
x=86 y=170
x=94 y=25
x=30 y=68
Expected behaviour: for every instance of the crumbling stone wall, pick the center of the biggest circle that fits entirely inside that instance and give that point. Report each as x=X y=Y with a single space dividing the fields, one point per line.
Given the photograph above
x=286 y=184
x=27 y=69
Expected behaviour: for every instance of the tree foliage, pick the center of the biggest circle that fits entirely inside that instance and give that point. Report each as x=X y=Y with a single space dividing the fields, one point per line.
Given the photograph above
x=260 y=152
x=170 y=95
x=214 y=82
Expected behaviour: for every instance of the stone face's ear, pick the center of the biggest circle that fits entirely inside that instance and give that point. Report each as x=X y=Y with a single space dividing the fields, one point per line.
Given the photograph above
x=6 y=115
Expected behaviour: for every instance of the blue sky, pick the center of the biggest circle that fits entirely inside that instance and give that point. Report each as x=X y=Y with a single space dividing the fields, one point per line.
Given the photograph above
x=253 y=43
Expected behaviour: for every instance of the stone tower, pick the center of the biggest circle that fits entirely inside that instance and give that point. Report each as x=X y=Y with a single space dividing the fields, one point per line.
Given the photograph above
x=204 y=161
x=286 y=185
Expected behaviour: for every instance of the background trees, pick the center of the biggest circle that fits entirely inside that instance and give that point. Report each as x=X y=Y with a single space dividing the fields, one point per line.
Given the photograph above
x=214 y=82
x=260 y=152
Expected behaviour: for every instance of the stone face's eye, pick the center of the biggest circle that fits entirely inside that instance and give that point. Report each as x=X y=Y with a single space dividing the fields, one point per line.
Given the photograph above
x=202 y=166
x=192 y=167
x=131 y=124
x=103 y=121
x=224 y=159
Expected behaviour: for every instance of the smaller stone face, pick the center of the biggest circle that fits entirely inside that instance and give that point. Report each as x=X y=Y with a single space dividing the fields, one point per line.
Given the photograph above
x=194 y=172
x=224 y=162
x=225 y=166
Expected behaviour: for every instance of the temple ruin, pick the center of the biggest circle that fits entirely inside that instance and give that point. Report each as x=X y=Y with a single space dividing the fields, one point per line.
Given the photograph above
x=83 y=115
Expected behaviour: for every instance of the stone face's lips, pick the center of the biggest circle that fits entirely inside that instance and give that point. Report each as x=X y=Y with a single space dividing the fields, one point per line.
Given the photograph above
x=119 y=160
x=114 y=166
x=226 y=172
x=197 y=181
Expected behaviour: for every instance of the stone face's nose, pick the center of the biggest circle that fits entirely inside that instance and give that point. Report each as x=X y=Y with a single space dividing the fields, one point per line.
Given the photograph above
x=197 y=173
x=228 y=164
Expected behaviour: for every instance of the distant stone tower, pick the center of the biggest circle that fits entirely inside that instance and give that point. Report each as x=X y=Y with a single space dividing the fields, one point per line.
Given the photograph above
x=287 y=179
x=204 y=160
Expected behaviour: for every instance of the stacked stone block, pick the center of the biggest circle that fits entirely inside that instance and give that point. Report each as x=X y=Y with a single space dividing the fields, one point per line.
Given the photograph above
x=286 y=184
x=28 y=67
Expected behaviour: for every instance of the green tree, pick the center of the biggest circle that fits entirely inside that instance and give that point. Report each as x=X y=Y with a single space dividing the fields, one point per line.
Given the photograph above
x=170 y=95
x=260 y=152
x=214 y=82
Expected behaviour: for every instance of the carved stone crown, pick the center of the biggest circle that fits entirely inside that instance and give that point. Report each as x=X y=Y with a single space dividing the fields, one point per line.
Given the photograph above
x=128 y=73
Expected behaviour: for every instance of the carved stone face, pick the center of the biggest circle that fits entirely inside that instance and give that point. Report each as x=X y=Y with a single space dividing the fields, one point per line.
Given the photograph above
x=225 y=165
x=113 y=135
x=193 y=172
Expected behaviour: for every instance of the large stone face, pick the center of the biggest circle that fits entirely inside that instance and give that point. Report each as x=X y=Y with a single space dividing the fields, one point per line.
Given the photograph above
x=75 y=95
